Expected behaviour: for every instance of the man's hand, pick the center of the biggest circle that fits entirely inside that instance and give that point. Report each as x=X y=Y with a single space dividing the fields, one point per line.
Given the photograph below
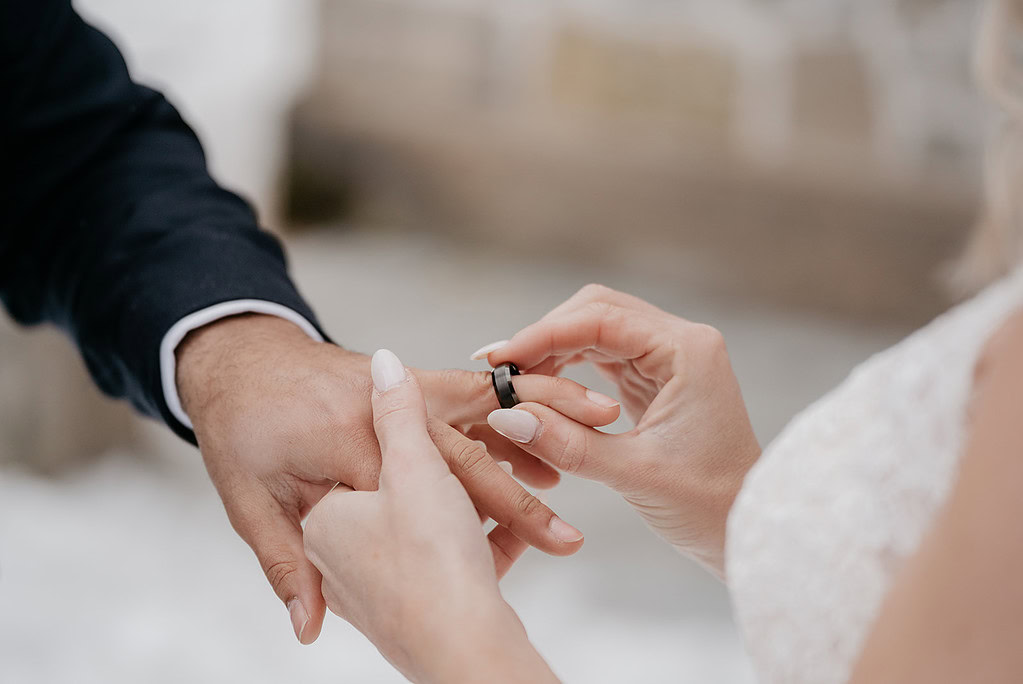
x=281 y=418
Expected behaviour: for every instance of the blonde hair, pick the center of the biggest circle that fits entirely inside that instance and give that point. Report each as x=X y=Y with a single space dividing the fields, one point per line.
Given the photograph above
x=996 y=245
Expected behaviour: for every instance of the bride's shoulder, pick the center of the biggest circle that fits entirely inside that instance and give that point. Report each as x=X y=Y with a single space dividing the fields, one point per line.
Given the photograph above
x=1002 y=351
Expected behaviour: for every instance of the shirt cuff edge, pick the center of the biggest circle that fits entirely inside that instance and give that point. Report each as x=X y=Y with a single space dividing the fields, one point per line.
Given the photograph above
x=193 y=321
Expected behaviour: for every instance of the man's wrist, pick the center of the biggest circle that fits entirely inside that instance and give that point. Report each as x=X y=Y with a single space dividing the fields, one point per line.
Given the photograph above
x=223 y=347
x=202 y=318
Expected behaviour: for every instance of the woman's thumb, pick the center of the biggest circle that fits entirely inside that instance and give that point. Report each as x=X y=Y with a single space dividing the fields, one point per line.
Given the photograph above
x=399 y=418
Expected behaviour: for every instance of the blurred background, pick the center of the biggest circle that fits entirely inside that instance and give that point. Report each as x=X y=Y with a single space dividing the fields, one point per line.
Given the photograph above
x=797 y=173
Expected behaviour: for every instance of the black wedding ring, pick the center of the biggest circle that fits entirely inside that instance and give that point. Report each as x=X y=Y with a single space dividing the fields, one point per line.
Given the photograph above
x=502 y=379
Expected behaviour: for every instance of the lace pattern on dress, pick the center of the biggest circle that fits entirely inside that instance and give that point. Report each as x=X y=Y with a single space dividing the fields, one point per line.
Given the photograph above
x=846 y=492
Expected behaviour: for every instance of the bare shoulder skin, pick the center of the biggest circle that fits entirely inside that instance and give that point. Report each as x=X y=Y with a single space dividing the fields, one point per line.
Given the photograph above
x=955 y=612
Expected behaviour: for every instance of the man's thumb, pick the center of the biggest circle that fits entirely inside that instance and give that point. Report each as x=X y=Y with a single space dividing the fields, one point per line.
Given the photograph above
x=277 y=542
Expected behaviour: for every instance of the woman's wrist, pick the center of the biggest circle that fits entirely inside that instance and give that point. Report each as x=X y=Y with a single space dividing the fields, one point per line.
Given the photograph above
x=483 y=642
x=708 y=500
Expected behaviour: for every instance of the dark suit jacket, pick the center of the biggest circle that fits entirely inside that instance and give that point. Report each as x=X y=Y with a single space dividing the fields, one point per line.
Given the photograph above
x=110 y=225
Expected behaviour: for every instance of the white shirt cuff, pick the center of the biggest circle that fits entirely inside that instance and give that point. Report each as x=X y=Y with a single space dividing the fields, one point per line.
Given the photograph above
x=177 y=332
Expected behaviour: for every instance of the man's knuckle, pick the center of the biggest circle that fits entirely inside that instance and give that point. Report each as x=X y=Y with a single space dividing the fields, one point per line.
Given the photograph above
x=528 y=506
x=593 y=291
x=472 y=386
x=482 y=387
x=456 y=377
x=241 y=524
x=468 y=459
x=279 y=570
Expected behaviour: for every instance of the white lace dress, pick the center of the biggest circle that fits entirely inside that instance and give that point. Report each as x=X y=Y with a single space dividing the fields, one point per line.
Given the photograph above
x=845 y=494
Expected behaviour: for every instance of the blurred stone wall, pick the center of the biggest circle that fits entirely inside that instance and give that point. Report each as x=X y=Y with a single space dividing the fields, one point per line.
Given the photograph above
x=232 y=67
x=811 y=153
x=819 y=153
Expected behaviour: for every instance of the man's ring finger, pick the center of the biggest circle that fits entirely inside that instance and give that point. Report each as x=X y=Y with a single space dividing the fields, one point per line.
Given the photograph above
x=502 y=379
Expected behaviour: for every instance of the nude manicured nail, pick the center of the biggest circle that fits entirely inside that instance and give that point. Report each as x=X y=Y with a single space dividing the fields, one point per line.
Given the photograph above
x=506 y=467
x=299 y=618
x=601 y=400
x=386 y=370
x=515 y=424
x=482 y=352
x=564 y=532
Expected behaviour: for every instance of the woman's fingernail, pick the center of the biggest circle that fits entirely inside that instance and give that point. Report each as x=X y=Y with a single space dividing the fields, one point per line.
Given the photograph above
x=386 y=370
x=564 y=532
x=601 y=399
x=299 y=618
x=506 y=467
x=515 y=424
x=484 y=351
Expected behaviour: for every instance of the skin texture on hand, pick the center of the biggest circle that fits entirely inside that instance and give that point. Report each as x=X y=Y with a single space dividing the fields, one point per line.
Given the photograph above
x=408 y=564
x=281 y=418
x=683 y=464
x=953 y=612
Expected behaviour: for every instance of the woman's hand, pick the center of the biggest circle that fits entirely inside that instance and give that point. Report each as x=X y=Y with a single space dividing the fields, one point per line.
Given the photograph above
x=409 y=565
x=683 y=464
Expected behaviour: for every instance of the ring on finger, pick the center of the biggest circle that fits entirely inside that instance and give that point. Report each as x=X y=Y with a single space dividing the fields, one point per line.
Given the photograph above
x=502 y=381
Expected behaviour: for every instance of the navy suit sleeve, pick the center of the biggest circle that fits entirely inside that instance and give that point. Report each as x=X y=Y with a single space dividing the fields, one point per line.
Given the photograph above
x=110 y=225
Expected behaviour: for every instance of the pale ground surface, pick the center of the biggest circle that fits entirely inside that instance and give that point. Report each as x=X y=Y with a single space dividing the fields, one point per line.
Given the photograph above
x=129 y=571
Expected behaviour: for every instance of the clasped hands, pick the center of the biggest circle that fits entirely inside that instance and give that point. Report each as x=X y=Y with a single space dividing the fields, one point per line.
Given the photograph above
x=287 y=430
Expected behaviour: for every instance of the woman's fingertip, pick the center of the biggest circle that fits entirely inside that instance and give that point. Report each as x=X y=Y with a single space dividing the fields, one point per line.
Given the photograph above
x=601 y=400
x=563 y=532
x=515 y=424
x=387 y=370
x=484 y=351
